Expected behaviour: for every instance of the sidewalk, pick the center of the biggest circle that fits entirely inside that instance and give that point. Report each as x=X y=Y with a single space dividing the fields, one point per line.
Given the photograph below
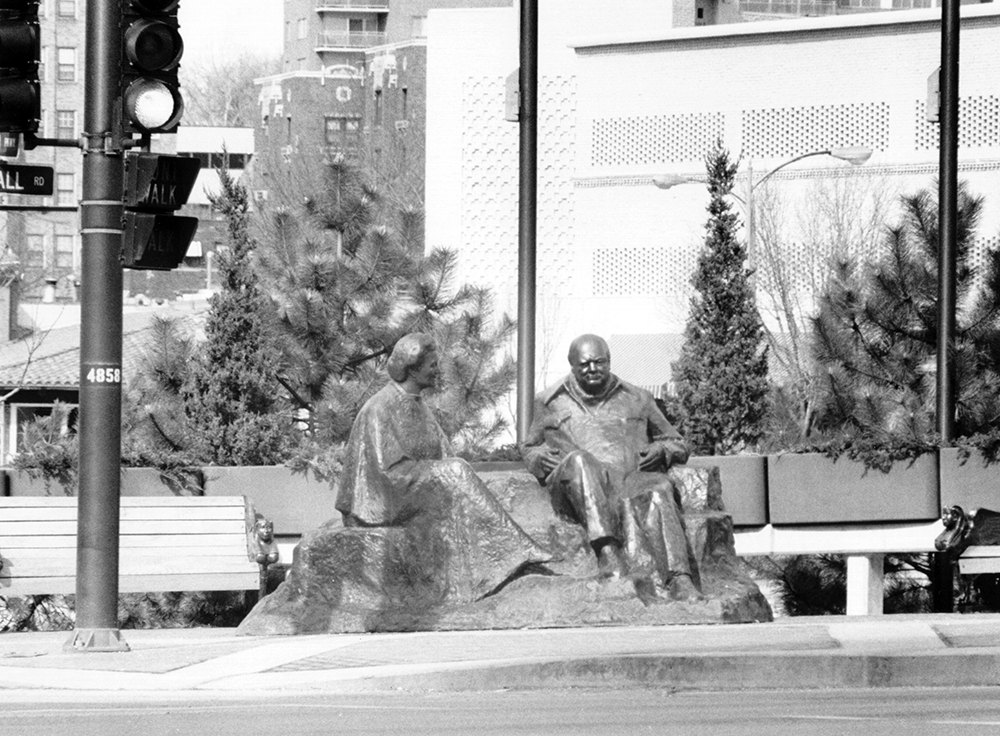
x=828 y=652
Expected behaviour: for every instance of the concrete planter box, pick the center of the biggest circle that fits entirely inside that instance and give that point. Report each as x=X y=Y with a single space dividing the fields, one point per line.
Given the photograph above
x=969 y=483
x=295 y=503
x=744 y=485
x=814 y=489
x=151 y=482
x=20 y=483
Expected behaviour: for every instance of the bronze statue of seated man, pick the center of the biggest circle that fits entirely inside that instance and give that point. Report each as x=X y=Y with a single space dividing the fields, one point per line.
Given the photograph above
x=602 y=447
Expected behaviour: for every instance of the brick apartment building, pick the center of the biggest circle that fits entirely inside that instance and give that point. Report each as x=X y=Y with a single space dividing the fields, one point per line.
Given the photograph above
x=353 y=83
x=40 y=236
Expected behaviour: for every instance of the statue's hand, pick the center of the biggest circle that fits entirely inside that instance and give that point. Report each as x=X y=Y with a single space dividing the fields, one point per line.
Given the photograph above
x=549 y=459
x=652 y=457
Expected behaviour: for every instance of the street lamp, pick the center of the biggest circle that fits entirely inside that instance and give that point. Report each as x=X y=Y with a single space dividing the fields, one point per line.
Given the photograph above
x=854 y=155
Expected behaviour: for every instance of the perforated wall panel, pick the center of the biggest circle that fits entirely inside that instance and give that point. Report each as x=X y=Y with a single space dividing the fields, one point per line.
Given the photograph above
x=978 y=124
x=643 y=271
x=654 y=139
x=787 y=132
x=490 y=184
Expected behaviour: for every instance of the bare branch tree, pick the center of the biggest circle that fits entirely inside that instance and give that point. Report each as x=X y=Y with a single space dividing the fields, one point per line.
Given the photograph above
x=223 y=93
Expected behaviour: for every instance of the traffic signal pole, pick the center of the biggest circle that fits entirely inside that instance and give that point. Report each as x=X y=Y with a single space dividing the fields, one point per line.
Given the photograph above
x=100 y=340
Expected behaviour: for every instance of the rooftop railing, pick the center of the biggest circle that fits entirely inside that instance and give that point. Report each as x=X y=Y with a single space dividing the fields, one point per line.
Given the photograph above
x=349 y=40
x=376 y=5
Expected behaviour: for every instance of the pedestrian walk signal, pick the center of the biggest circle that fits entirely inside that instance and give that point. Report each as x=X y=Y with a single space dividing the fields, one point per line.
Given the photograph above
x=155 y=186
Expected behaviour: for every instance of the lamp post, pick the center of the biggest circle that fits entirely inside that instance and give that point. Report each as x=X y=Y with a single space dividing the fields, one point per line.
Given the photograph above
x=854 y=155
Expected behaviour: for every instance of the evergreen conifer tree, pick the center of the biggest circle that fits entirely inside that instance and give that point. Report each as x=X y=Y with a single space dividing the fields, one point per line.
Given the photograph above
x=875 y=338
x=232 y=402
x=721 y=386
x=349 y=278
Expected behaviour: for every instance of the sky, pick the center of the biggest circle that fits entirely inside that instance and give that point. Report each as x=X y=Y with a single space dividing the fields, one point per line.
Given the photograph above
x=215 y=30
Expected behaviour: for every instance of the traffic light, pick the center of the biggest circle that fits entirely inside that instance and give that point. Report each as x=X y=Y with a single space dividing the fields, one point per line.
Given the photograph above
x=20 y=50
x=151 y=52
x=155 y=186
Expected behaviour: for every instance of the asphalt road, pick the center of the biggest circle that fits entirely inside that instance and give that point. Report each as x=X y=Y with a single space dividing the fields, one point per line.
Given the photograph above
x=909 y=712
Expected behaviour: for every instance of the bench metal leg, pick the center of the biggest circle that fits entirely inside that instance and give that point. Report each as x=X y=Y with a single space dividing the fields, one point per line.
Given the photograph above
x=865 y=585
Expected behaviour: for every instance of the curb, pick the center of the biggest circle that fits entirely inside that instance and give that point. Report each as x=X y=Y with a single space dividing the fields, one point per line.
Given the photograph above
x=691 y=672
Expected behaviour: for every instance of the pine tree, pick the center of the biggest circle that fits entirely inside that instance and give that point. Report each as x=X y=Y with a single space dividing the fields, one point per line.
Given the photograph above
x=721 y=386
x=232 y=401
x=876 y=338
x=349 y=278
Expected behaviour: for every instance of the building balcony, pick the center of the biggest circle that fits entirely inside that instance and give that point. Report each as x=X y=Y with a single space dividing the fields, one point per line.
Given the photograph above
x=340 y=40
x=353 y=6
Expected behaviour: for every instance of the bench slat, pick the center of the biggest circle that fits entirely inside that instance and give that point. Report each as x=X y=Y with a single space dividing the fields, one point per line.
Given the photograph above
x=50 y=566
x=125 y=501
x=140 y=513
x=129 y=584
x=131 y=541
x=126 y=527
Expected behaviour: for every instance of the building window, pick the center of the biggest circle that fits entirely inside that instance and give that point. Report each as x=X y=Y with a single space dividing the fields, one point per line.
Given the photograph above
x=43 y=67
x=34 y=251
x=418 y=26
x=65 y=189
x=66 y=65
x=66 y=8
x=303 y=28
x=64 y=251
x=18 y=416
x=66 y=124
x=340 y=132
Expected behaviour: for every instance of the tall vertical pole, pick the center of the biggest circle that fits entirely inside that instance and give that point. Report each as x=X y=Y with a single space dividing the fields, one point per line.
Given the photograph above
x=942 y=567
x=528 y=191
x=948 y=222
x=100 y=342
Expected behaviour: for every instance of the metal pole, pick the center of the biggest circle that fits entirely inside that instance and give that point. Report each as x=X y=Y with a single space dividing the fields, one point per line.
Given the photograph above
x=948 y=222
x=528 y=122
x=100 y=342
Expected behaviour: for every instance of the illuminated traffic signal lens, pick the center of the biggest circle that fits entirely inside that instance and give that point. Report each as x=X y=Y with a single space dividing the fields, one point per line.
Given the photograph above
x=152 y=104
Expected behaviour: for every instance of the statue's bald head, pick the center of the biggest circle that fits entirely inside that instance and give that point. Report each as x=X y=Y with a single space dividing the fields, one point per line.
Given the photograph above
x=590 y=363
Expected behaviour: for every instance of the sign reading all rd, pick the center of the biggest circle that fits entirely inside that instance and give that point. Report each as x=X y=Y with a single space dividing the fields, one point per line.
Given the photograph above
x=17 y=179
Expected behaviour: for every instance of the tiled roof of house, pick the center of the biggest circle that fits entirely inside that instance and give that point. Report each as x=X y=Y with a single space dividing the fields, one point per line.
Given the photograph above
x=51 y=359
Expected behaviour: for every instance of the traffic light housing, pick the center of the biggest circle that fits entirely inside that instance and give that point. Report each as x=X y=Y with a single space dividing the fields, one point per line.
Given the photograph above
x=156 y=185
x=151 y=52
x=20 y=51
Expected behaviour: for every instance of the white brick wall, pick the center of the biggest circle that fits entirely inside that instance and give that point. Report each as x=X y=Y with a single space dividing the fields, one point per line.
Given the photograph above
x=622 y=102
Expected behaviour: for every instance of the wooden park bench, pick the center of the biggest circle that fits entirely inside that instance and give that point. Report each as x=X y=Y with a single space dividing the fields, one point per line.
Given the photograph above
x=169 y=543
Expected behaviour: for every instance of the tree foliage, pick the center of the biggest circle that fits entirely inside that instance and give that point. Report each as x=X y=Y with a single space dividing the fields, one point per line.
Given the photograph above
x=217 y=401
x=349 y=278
x=231 y=395
x=721 y=377
x=876 y=332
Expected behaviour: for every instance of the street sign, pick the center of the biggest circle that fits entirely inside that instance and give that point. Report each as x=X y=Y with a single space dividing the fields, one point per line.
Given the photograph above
x=934 y=96
x=10 y=144
x=18 y=179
